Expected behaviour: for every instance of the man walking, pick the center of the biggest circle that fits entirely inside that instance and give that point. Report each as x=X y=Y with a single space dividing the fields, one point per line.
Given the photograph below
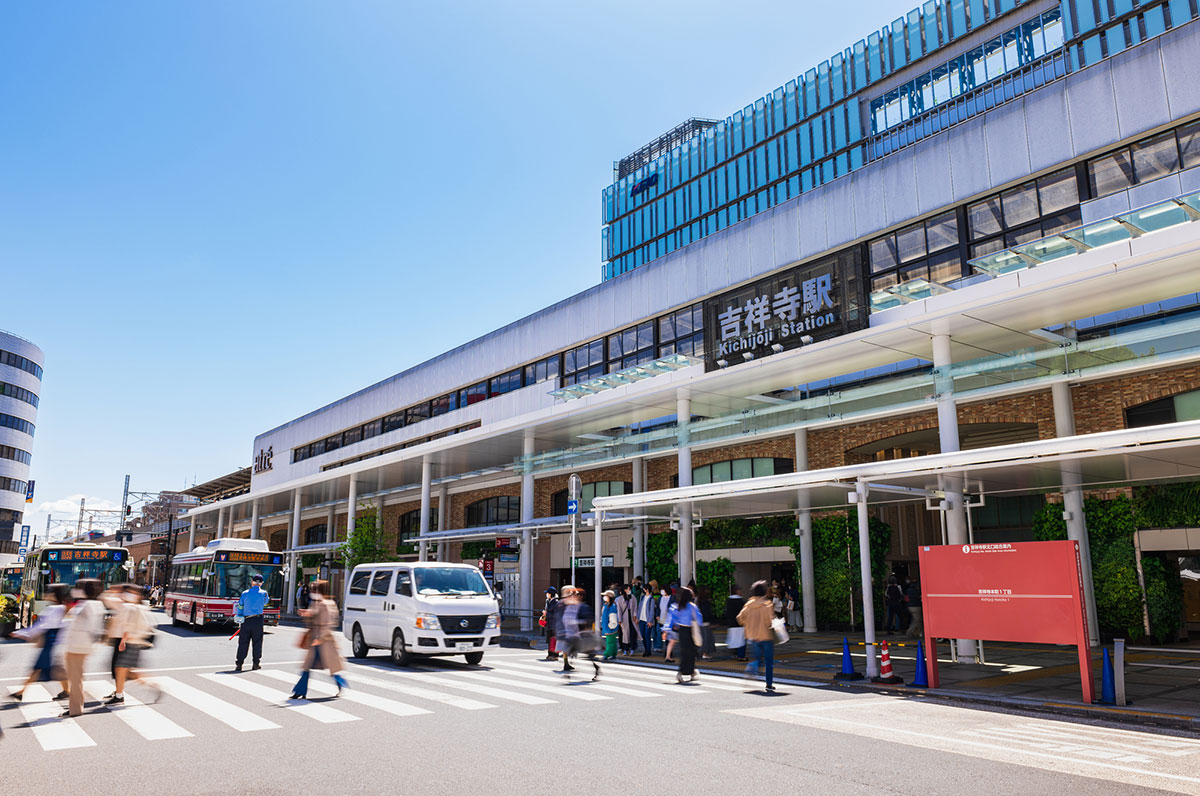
x=250 y=609
x=647 y=614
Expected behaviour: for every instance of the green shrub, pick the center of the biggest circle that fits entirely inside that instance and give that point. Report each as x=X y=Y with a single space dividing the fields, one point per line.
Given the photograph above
x=717 y=576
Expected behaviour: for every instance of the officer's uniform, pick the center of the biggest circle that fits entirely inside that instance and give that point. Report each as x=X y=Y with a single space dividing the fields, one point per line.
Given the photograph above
x=250 y=607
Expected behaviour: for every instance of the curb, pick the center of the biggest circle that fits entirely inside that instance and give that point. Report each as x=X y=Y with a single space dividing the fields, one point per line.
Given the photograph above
x=970 y=698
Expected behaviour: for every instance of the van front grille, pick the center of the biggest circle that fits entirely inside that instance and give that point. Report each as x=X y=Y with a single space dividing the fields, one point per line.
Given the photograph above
x=452 y=625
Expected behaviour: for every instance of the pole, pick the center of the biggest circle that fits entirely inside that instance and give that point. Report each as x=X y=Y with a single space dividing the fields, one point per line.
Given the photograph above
x=170 y=548
x=124 y=508
x=864 y=559
x=598 y=570
x=574 y=488
x=79 y=525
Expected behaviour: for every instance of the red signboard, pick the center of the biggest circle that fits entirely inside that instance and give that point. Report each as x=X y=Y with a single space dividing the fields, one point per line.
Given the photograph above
x=1021 y=591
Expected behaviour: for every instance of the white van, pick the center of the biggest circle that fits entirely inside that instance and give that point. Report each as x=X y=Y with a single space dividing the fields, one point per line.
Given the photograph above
x=421 y=608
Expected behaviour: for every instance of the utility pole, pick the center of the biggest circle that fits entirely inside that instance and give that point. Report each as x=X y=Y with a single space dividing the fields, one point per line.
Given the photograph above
x=79 y=525
x=124 y=510
x=170 y=549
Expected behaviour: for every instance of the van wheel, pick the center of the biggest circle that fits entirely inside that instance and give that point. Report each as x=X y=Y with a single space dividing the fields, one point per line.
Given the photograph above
x=400 y=656
x=358 y=645
x=473 y=658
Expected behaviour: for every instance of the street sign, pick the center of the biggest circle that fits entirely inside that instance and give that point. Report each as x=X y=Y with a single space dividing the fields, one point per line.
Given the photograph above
x=590 y=561
x=508 y=558
x=505 y=542
x=488 y=565
x=572 y=507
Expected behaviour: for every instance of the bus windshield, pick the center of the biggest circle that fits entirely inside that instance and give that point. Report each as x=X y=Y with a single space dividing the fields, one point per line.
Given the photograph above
x=69 y=566
x=449 y=580
x=10 y=583
x=233 y=579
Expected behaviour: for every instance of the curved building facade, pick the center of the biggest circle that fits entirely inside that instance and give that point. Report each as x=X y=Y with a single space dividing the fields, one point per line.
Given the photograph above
x=20 y=390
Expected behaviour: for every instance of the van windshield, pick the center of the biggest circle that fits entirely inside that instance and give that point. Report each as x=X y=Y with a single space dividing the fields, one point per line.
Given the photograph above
x=449 y=580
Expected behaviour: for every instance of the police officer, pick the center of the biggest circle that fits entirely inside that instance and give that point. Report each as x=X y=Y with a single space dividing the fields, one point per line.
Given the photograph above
x=250 y=609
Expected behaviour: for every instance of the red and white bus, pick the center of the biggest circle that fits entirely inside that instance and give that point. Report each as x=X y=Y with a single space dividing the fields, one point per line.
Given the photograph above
x=205 y=584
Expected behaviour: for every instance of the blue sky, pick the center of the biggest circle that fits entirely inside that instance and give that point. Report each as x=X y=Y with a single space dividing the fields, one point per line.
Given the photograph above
x=217 y=216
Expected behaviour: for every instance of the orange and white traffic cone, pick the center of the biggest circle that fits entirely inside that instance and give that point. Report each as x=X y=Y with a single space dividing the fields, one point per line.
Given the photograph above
x=885 y=672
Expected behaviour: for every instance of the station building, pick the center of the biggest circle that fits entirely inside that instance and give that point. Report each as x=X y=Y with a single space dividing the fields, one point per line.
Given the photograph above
x=963 y=245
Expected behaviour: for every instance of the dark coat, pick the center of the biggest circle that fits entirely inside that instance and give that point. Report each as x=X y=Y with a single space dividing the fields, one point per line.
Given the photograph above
x=553 y=606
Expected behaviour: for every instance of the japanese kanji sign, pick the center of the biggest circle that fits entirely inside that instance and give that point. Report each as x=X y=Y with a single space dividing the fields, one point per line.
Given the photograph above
x=819 y=300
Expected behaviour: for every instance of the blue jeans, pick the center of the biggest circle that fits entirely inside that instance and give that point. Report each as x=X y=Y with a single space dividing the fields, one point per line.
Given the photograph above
x=763 y=651
x=647 y=631
x=301 y=688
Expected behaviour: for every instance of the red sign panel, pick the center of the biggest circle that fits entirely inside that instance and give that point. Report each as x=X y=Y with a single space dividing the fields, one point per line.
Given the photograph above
x=1021 y=591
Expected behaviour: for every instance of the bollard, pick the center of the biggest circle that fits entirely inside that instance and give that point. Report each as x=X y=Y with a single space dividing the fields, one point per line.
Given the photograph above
x=1119 y=671
x=847 y=672
x=921 y=678
x=1108 y=694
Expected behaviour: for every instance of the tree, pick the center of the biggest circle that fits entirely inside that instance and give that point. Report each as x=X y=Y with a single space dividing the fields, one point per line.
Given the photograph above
x=365 y=545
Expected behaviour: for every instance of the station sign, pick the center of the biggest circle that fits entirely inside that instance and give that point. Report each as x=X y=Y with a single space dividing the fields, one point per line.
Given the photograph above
x=584 y=563
x=85 y=555
x=807 y=303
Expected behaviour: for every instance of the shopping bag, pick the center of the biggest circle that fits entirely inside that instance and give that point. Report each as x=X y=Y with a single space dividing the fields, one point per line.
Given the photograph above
x=781 y=634
x=735 y=638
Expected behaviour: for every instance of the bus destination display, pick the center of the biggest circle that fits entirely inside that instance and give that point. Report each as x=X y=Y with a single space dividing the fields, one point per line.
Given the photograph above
x=85 y=555
x=234 y=557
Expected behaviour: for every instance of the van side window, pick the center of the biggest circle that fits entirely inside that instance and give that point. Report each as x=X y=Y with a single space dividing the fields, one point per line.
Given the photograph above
x=404 y=582
x=358 y=585
x=381 y=582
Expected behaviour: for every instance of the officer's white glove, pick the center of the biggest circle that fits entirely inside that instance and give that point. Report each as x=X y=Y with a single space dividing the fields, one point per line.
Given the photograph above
x=237 y=620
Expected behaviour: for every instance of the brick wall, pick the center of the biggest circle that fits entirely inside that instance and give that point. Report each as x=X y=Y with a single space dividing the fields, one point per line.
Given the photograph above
x=1101 y=405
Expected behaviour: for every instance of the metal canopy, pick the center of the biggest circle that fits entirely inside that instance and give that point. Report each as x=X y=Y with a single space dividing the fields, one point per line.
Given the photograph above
x=1156 y=454
x=559 y=524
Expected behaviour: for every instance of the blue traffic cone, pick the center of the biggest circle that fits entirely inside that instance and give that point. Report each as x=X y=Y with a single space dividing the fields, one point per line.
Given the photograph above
x=847 y=672
x=921 y=678
x=1108 y=693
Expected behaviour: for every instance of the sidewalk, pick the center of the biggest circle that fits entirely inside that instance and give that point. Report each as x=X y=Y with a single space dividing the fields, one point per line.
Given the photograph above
x=1026 y=676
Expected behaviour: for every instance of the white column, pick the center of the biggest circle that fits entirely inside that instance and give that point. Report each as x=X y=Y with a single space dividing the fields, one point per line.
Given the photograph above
x=597 y=581
x=379 y=513
x=808 y=587
x=528 y=446
x=293 y=561
x=220 y=523
x=443 y=548
x=255 y=519
x=687 y=558
x=947 y=412
x=195 y=520
x=426 y=480
x=639 y=527
x=351 y=512
x=1064 y=426
x=868 y=590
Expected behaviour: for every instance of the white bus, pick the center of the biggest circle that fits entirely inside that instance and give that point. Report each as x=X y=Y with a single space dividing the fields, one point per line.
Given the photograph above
x=204 y=585
x=66 y=563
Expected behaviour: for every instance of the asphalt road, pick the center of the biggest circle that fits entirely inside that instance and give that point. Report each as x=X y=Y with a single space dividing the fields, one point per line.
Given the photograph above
x=513 y=726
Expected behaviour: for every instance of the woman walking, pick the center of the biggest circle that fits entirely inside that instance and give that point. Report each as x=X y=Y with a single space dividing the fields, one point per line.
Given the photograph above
x=320 y=616
x=608 y=624
x=756 y=616
x=48 y=665
x=685 y=621
x=134 y=634
x=84 y=624
x=627 y=620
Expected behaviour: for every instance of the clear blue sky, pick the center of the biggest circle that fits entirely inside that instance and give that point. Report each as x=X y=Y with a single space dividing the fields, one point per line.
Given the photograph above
x=216 y=216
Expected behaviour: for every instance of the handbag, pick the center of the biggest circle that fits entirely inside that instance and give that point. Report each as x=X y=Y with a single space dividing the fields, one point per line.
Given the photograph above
x=735 y=638
x=781 y=634
x=697 y=635
x=305 y=640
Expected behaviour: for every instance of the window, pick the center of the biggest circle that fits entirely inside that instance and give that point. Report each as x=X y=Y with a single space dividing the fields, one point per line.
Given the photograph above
x=20 y=393
x=682 y=332
x=333 y=443
x=928 y=250
x=630 y=347
x=415 y=414
x=358 y=584
x=393 y=422
x=1020 y=205
x=494 y=511
x=317 y=534
x=12 y=484
x=1058 y=191
x=404 y=583
x=8 y=421
x=1145 y=160
x=590 y=492
x=545 y=370
x=21 y=363
x=1175 y=409
x=408 y=528
x=583 y=363
x=506 y=382
x=372 y=429
x=442 y=405
x=381 y=582
x=351 y=436
x=737 y=469
x=985 y=217
x=1189 y=144
x=473 y=394
x=1156 y=157
x=15 y=454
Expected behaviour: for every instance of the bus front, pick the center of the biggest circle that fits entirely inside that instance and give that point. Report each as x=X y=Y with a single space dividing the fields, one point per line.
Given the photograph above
x=68 y=565
x=232 y=571
x=10 y=580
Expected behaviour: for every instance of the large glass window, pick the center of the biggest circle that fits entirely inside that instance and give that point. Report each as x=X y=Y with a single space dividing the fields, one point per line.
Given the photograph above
x=630 y=347
x=409 y=528
x=500 y=510
x=682 y=332
x=1058 y=191
x=583 y=363
x=737 y=469
x=1155 y=157
x=1145 y=160
x=317 y=534
x=590 y=492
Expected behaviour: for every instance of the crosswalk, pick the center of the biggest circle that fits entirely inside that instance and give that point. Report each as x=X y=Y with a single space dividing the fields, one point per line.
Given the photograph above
x=196 y=703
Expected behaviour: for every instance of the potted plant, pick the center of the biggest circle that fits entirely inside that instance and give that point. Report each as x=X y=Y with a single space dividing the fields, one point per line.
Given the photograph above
x=8 y=616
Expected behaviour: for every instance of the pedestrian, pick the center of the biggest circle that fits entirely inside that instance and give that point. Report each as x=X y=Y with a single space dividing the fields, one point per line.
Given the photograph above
x=84 y=624
x=627 y=620
x=912 y=597
x=669 y=636
x=318 y=642
x=685 y=621
x=647 y=616
x=136 y=635
x=735 y=636
x=549 y=621
x=48 y=665
x=112 y=598
x=575 y=632
x=893 y=599
x=793 y=607
x=756 y=617
x=249 y=610
x=609 y=626
x=704 y=603
x=776 y=596
x=664 y=606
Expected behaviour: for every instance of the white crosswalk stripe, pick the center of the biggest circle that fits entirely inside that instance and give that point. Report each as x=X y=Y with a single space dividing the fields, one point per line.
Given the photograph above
x=511 y=670
x=352 y=695
x=448 y=682
x=321 y=713
x=662 y=685
x=145 y=721
x=557 y=690
x=41 y=713
x=717 y=682
x=238 y=718
x=465 y=703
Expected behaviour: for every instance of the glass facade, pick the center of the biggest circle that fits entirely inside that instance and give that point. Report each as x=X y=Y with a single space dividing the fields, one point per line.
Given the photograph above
x=1098 y=29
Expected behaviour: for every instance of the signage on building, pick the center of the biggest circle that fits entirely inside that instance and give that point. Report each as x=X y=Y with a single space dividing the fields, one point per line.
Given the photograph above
x=643 y=184
x=262 y=462
x=29 y=492
x=24 y=536
x=583 y=563
x=505 y=542
x=800 y=305
x=508 y=558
